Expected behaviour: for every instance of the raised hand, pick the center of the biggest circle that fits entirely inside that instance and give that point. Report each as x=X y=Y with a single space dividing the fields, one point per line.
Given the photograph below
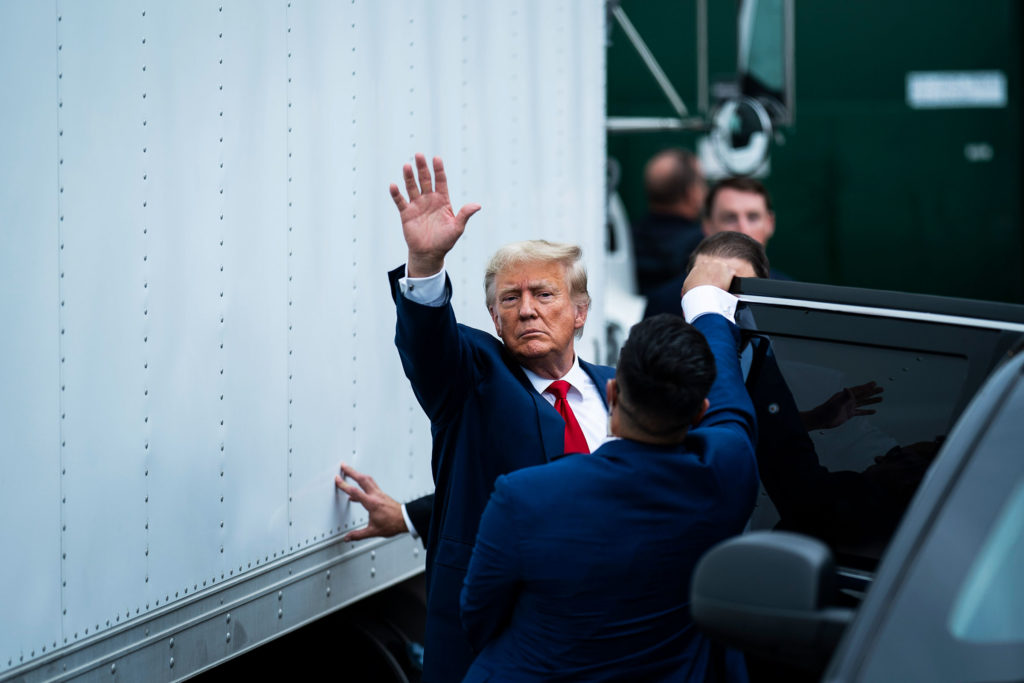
x=430 y=226
x=708 y=270
x=843 y=405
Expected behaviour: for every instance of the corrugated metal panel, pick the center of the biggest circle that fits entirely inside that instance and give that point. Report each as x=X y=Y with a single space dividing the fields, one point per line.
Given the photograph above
x=196 y=229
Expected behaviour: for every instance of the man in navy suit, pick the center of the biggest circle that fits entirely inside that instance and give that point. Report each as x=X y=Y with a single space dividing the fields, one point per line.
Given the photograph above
x=581 y=568
x=487 y=400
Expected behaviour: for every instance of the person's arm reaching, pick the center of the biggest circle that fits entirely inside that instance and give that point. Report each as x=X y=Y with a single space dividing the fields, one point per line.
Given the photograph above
x=726 y=435
x=386 y=514
x=709 y=307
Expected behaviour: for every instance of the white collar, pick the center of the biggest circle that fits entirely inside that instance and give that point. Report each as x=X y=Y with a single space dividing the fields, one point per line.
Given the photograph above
x=576 y=377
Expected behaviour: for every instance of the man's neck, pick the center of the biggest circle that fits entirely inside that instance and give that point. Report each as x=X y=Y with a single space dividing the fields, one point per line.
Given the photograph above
x=681 y=209
x=627 y=430
x=551 y=366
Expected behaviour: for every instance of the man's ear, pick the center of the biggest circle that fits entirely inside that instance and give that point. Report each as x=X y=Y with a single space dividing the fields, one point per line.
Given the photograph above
x=700 y=413
x=612 y=390
x=581 y=317
x=705 y=226
x=770 y=221
x=496 y=319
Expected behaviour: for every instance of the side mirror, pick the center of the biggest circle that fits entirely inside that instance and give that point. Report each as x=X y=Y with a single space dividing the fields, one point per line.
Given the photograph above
x=768 y=593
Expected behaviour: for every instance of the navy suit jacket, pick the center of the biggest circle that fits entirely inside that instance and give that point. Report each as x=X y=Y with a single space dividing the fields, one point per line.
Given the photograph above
x=486 y=420
x=581 y=569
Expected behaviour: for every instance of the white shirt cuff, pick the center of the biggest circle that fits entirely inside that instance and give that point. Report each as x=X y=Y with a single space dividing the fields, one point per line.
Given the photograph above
x=408 y=522
x=428 y=291
x=709 y=299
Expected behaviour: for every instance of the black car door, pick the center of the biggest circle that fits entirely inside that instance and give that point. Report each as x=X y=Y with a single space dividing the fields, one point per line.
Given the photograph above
x=856 y=391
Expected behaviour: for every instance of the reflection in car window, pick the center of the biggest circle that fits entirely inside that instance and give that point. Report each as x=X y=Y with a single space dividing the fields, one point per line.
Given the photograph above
x=847 y=433
x=990 y=606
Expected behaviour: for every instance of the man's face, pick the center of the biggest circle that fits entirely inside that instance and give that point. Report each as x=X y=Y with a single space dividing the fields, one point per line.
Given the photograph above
x=738 y=211
x=534 y=314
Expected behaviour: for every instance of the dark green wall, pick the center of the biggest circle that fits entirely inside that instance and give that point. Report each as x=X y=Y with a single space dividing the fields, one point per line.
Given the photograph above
x=868 y=191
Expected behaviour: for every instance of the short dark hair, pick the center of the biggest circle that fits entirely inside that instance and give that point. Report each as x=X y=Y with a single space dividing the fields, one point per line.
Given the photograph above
x=675 y=186
x=740 y=184
x=664 y=373
x=729 y=244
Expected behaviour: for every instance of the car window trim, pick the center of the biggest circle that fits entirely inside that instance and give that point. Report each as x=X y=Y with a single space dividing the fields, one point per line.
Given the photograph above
x=940 y=318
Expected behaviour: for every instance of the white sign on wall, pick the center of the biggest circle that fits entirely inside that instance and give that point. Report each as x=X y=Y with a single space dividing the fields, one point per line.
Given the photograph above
x=956 y=89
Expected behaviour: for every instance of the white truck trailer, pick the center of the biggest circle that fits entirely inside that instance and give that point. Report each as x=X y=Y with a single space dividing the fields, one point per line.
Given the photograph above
x=195 y=231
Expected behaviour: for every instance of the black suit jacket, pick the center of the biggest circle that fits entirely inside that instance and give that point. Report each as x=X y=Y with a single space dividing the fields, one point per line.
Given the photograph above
x=419 y=514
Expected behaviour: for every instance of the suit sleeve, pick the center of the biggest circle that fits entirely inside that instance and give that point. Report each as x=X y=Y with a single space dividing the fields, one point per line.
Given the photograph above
x=728 y=431
x=492 y=580
x=730 y=405
x=434 y=355
x=419 y=512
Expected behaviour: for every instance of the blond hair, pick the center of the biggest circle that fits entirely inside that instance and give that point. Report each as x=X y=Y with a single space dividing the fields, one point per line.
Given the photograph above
x=540 y=251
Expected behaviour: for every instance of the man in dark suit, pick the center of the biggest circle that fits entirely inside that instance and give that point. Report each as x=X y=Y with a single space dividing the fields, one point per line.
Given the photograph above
x=581 y=568
x=736 y=204
x=489 y=402
x=664 y=238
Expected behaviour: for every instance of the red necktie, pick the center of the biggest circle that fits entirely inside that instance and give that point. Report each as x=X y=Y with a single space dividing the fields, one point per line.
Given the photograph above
x=575 y=442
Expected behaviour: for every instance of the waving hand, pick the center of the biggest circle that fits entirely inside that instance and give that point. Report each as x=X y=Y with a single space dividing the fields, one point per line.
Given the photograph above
x=430 y=226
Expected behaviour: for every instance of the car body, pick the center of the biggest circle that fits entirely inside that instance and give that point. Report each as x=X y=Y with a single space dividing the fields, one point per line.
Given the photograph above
x=941 y=597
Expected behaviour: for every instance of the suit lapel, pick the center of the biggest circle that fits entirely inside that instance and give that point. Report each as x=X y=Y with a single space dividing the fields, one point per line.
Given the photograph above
x=550 y=424
x=600 y=375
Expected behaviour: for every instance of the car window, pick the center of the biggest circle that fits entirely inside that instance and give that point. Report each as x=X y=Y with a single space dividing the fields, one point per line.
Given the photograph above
x=948 y=602
x=856 y=391
x=865 y=423
x=989 y=607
